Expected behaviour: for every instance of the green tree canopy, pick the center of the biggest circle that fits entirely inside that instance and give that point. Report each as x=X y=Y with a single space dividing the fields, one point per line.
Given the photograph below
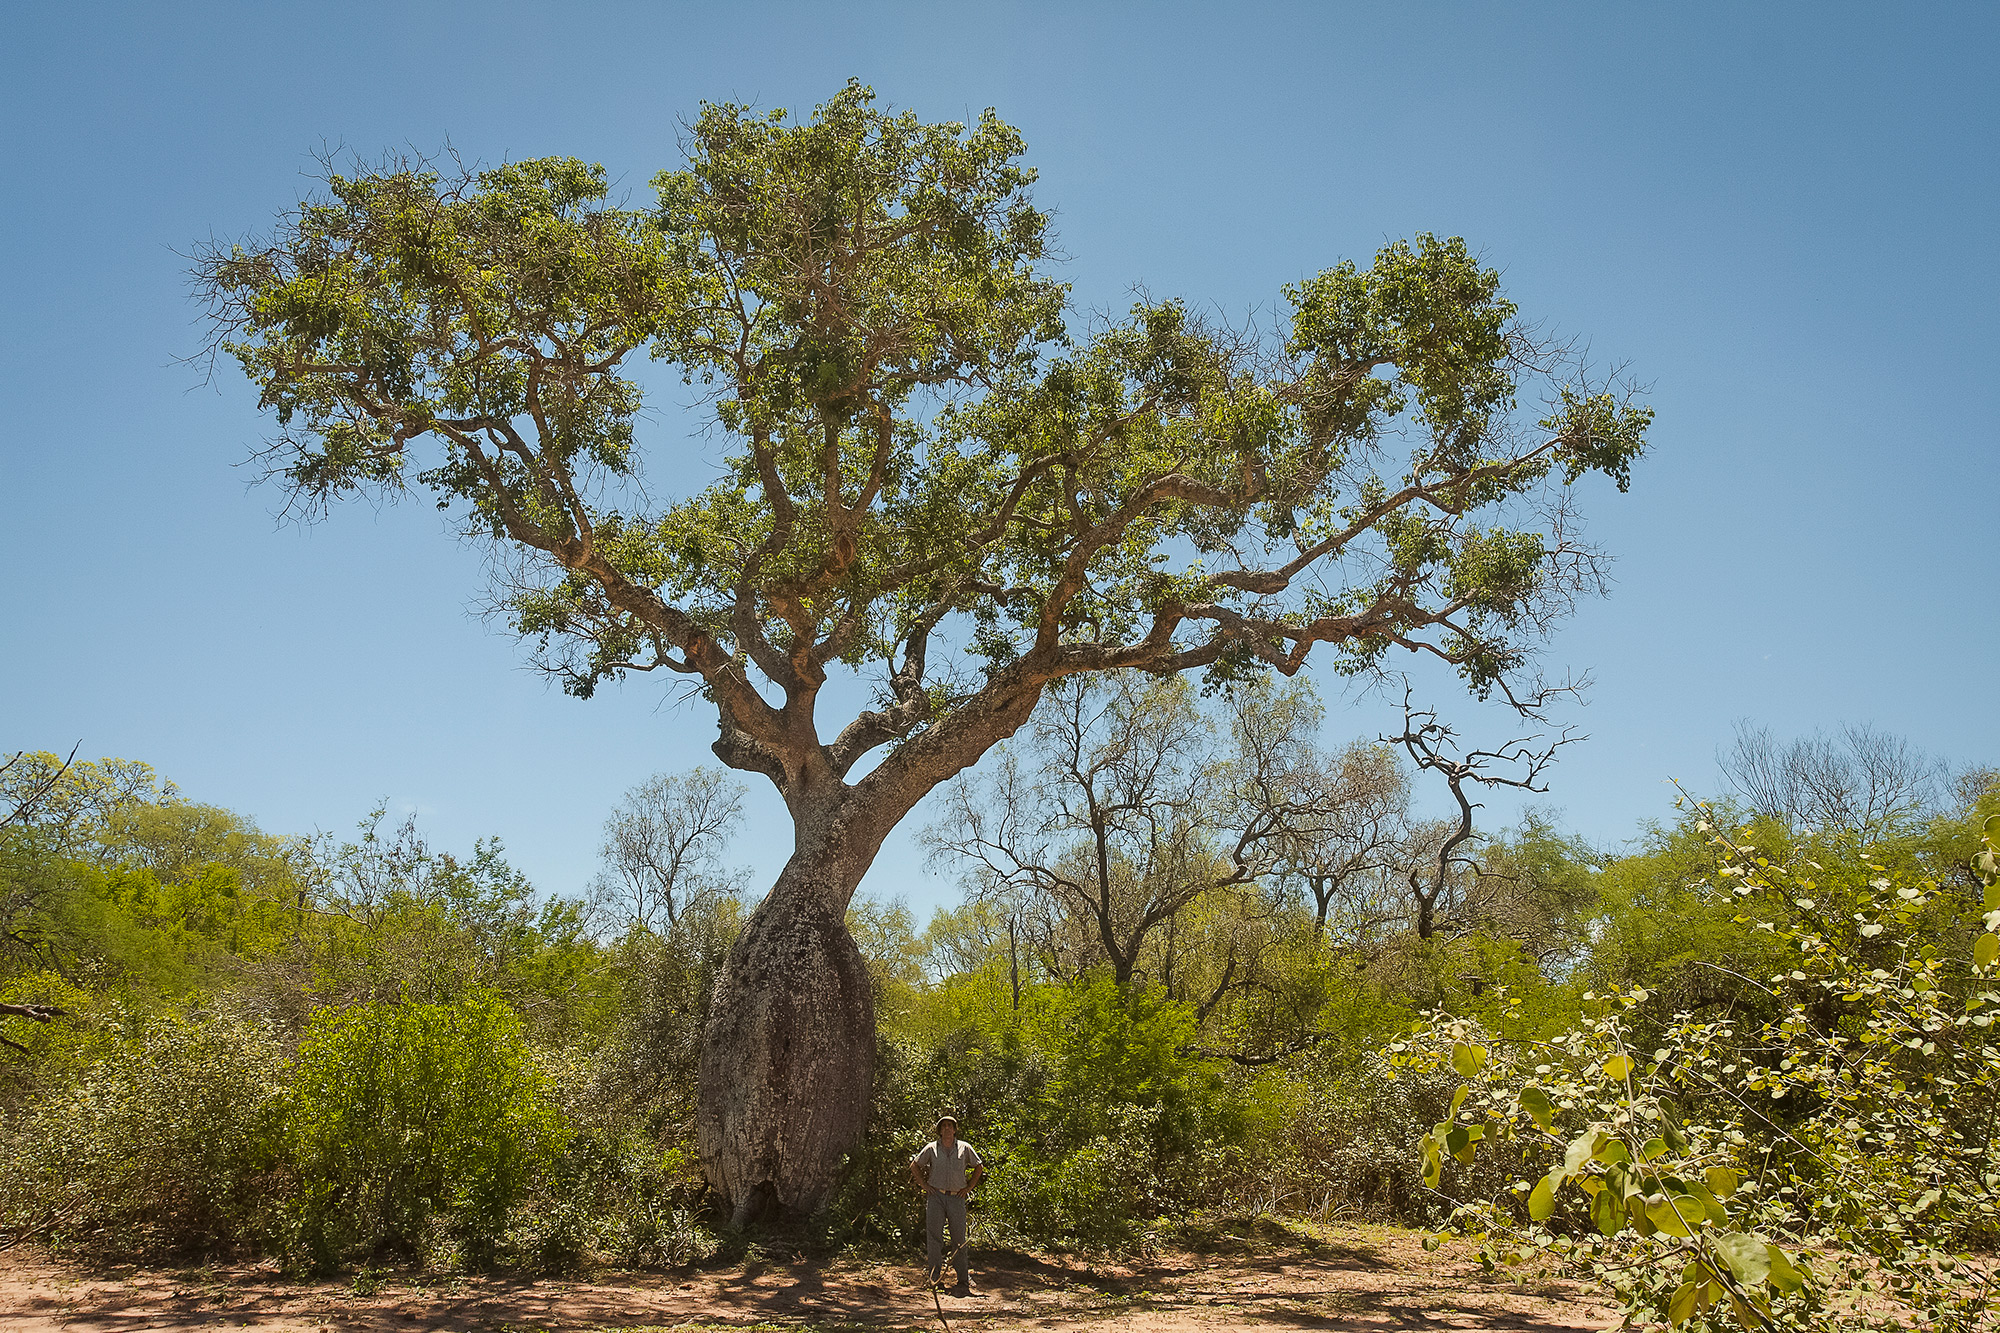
x=912 y=433
x=926 y=476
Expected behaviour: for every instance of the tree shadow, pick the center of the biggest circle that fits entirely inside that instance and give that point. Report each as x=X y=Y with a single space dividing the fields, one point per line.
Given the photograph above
x=1346 y=1286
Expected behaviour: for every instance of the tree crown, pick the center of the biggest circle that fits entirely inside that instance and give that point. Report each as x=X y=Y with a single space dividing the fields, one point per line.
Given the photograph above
x=919 y=452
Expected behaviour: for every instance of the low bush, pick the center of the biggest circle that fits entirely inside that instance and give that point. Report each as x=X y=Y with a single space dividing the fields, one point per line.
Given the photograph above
x=412 y=1124
x=1091 y=1111
x=1346 y=1152
x=1813 y=1170
x=608 y=1198
x=168 y=1140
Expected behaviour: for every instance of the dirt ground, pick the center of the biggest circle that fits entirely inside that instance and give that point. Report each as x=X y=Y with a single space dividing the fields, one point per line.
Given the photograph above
x=1351 y=1279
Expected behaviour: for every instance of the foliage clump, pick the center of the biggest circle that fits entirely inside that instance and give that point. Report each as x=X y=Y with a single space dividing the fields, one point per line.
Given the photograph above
x=404 y=1115
x=164 y=1135
x=1808 y=1168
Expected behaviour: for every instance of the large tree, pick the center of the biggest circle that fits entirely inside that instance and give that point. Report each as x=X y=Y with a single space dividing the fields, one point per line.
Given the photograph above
x=925 y=480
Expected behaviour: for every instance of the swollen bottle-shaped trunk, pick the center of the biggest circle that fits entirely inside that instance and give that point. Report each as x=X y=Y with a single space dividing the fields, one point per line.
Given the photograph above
x=788 y=1060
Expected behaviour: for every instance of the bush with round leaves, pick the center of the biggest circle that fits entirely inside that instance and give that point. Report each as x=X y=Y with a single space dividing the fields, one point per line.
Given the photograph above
x=1831 y=1168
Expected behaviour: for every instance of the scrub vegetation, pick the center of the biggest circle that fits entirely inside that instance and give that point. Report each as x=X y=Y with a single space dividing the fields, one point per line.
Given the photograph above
x=1741 y=1070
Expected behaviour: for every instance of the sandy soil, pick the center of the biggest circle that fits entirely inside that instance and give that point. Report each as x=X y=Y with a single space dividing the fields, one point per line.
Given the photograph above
x=1355 y=1279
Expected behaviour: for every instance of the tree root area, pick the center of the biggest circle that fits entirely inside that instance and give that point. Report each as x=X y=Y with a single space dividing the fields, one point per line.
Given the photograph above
x=1355 y=1279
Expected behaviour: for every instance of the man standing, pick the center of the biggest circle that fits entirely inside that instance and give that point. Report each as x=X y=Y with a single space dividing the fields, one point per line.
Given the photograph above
x=947 y=1171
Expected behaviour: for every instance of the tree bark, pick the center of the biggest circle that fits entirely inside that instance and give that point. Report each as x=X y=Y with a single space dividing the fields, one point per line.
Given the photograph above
x=788 y=1056
x=788 y=1060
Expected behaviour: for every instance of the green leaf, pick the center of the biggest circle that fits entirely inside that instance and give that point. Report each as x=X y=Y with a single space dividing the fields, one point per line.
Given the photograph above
x=1690 y=1208
x=1617 y=1067
x=1721 y=1181
x=1748 y=1257
x=1676 y=1215
x=1458 y=1100
x=1536 y=1103
x=1607 y=1210
x=1467 y=1060
x=1581 y=1149
x=1542 y=1199
x=1784 y=1276
x=1986 y=951
x=1681 y=1307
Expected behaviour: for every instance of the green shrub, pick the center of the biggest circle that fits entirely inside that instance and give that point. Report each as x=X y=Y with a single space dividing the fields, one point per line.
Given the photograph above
x=408 y=1118
x=1104 y=1049
x=1092 y=1192
x=1346 y=1149
x=1087 y=1104
x=167 y=1141
x=617 y=1198
x=1859 y=1122
x=647 y=1062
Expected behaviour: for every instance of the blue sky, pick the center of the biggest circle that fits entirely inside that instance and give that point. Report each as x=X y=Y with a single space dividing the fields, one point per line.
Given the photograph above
x=1782 y=217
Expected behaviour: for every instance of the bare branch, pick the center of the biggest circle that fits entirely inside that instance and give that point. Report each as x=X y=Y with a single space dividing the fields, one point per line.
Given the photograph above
x=25 y=803
x=1432 y=745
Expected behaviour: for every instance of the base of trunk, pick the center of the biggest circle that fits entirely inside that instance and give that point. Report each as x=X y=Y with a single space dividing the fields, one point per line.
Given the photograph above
x=788 y=1060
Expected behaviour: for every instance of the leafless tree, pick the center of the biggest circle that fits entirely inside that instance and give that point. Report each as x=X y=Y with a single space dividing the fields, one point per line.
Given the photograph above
x=663 y=847
x=1140 y=831
x=31 y=786
x=1347 y=836
x=1351 y=845
x=1444 y=875
x=1970 y=785
x=1858 y=778
x=1110 y=820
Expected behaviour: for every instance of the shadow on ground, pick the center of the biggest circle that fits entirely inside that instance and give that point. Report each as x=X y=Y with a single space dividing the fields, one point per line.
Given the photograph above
x=1355 y=1280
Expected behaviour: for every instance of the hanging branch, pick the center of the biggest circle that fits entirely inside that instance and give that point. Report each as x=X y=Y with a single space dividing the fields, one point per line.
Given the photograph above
x=41 y=1013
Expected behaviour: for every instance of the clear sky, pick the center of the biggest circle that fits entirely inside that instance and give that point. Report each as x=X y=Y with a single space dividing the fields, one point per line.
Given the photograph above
x=1782 y=217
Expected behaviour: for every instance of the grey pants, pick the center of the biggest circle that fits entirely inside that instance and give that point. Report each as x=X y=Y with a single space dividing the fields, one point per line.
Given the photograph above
x=938 y=1210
